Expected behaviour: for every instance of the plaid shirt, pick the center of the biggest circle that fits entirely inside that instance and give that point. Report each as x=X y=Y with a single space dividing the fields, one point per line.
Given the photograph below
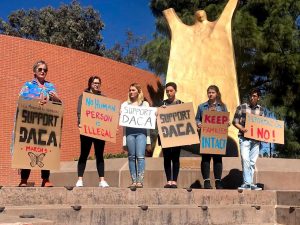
x=240 y=113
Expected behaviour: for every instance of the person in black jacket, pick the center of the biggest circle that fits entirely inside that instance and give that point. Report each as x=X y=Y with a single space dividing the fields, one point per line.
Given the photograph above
x=94 y=84
x=171 y=155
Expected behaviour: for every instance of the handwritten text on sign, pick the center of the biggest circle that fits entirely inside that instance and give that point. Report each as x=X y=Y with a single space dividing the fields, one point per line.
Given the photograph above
x=37 y=135
x=176 y=125
x=99 y=117
x=138 y=116
x=214 y=132
x=264 y=129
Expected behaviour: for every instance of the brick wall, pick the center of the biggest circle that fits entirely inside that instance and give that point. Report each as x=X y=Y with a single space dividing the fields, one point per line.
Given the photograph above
x=69 y=70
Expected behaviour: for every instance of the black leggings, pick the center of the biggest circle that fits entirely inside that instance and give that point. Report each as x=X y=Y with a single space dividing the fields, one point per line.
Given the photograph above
x=171 y=154
x=86 y=144
x=205 y=166
x=45 y=174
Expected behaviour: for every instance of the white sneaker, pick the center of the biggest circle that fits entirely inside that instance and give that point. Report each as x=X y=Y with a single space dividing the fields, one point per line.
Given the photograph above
x=255 y=188
x=103 y=184
x=245 y=187
x=79 y=183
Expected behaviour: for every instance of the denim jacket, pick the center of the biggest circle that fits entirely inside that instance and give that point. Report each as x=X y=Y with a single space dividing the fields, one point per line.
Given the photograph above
x=205 y=106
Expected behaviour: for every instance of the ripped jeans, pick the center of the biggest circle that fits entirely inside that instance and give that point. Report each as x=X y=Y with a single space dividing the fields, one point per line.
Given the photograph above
x=136 y=144
x=249 y=154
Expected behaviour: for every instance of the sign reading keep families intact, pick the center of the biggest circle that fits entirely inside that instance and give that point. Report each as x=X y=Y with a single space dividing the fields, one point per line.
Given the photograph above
x=177 y=126
x=37 y=135
x=99 y=117
x=214 y=132
x=264 y=129
x=138 y=116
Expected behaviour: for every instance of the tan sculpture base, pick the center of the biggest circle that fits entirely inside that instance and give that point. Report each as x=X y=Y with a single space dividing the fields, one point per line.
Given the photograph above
x=203 y=55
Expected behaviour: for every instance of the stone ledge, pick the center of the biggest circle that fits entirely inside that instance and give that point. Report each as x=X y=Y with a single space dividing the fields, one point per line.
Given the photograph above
x=274 y=173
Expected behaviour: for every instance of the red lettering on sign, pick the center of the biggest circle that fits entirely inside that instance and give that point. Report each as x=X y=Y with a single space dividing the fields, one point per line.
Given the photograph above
x=215 y=119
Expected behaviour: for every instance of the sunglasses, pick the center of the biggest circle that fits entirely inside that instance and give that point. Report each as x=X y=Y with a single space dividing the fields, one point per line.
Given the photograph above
x=42 y=69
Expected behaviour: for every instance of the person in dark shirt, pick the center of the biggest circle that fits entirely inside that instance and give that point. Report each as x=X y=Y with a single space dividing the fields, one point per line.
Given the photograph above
x=171 y=155
x=94 y=84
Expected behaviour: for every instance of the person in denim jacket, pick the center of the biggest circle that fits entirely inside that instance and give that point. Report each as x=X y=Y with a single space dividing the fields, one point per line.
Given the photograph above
x=214 y=103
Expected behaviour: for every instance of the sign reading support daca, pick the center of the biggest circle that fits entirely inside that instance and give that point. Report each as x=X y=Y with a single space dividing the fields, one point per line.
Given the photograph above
x=37 y=136
x=138 y=116
x=177 y=126
x=214 y=132
x=99 y=117
x=264 y=129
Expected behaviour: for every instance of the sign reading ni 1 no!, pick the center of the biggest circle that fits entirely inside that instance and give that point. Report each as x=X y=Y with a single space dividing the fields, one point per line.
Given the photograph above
x=264 y=129
x=37 y=135
x=176 y=125
x=99 y=117
x=214 y=132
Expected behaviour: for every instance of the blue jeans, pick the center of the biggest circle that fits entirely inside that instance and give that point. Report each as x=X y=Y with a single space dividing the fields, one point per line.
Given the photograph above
x=136 y=144
x=249 y=154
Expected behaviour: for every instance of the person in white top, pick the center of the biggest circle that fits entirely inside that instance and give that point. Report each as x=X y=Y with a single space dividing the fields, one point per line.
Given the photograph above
x=135 y=140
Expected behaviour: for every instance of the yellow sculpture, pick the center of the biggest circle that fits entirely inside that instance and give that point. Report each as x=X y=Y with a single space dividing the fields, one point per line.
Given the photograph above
x=202 y=55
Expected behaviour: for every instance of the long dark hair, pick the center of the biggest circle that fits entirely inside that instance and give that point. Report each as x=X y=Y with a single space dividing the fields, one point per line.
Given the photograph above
x=219 y=96
x=91 y=80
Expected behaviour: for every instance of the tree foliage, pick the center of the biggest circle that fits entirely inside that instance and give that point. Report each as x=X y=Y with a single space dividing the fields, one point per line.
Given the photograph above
x=267 y=49
x=128 y=52
x=72 y=26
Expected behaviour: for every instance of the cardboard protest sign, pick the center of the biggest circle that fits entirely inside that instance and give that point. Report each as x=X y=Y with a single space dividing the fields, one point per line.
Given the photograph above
x=37 y=136
x=138 y=116
x=176 y=125
x=264 y=129
x=99 y=117
x=214 y=132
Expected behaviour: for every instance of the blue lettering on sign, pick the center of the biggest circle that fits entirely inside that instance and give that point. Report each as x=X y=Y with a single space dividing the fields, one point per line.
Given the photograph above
x=96 y=104
x=212 y=142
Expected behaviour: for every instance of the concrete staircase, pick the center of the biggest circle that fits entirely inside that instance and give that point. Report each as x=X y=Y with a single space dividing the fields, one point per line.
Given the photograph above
x=158 y=206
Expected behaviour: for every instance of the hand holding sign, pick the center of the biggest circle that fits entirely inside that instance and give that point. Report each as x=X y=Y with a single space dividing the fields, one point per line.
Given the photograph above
x=264 y=129
x=37 y=135
x=99 y=117
x=176 y=125
x=214 y=132
x=138 y=116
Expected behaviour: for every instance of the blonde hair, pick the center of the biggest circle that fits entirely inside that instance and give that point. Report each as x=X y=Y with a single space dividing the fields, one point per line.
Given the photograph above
x=140 y=97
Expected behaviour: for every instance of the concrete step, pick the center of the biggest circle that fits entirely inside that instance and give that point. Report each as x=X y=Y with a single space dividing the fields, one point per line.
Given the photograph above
x=154 y=215
x=16 y=220
x=288 y=198
x=116 y=196
x=274 y=173
x=288 y=214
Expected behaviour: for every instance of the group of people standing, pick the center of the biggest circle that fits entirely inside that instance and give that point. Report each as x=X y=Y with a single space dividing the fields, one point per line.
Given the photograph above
x=137 y=140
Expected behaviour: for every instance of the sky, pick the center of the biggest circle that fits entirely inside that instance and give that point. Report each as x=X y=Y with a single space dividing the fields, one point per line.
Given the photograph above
x=117 y=15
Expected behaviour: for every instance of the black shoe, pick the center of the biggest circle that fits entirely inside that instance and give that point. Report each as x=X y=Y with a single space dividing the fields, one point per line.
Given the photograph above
x=173 y=185
x=219 y=184
x=167 y=186
x=207 y=184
